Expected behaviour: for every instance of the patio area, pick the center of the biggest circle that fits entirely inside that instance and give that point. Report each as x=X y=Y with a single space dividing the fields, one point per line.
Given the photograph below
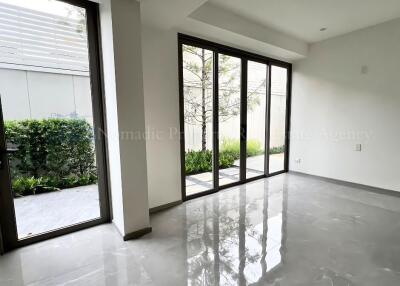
x=255 y=165
x=37 y=214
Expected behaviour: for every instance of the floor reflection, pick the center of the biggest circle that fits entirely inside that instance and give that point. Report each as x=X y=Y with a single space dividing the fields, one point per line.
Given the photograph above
x=236 y=237
x=324 y=234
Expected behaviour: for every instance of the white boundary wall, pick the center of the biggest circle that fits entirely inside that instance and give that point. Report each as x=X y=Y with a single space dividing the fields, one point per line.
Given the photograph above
x=39 y=95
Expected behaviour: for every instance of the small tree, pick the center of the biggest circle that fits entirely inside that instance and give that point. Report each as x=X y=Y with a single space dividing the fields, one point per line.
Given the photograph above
x=198 y=65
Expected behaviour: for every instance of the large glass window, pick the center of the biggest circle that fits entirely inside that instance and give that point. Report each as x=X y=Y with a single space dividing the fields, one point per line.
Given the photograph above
x=52 y=180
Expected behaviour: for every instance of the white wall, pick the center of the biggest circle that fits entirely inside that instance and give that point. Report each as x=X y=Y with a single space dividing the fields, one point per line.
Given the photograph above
x=347 y=92
x=161 y=88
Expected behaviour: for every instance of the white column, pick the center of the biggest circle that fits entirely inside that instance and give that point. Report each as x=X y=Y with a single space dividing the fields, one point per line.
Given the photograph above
x=122 y=60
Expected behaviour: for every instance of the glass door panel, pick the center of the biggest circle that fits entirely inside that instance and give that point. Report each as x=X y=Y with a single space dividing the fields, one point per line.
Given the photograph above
x=256 y=117
x=277 y=142
x=198 y=118
x=229 y=91
x=48 y=118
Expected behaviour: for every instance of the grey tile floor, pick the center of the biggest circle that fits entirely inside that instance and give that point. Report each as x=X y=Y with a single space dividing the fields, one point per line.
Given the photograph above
x=45 y=212
x=287 y=230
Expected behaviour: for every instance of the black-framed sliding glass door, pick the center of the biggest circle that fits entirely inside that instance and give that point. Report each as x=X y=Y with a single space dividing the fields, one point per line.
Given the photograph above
x=232 y=124
x=52 y=147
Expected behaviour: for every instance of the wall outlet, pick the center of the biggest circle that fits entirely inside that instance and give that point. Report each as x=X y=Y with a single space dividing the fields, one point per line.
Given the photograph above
x=358 y=147
x=297 y=161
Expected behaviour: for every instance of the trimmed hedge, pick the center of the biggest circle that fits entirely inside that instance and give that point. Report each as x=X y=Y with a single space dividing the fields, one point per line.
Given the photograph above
x=52 y=154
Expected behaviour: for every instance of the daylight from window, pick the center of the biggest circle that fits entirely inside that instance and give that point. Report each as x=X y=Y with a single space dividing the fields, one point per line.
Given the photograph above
x=47 y=108
x=198 y=74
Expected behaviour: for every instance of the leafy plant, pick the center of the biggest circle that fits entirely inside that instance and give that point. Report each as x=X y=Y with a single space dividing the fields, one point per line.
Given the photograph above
x=254 y=148
x=52 y=154
x=277 y=150
x=201 y=161
x=198 y=161
x=24 y=186
x=226 y=159
x=232 y=146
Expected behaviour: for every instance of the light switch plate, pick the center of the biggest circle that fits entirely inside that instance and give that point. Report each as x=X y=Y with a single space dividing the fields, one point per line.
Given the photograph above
x=358 y=147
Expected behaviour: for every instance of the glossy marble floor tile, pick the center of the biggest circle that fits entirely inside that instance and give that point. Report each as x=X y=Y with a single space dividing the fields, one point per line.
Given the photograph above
x=287 y=230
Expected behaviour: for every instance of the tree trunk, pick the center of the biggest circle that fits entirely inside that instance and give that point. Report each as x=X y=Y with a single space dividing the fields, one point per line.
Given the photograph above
x=203 y=104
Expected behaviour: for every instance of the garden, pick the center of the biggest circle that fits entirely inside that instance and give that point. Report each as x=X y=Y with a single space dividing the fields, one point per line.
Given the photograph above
x=201 y=161
x=50 y=155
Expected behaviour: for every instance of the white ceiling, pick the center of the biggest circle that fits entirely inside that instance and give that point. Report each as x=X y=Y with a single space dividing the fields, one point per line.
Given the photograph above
x=303 y=19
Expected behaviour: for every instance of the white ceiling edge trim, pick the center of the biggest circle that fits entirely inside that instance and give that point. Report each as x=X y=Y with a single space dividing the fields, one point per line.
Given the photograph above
x=166 y=14
x=215 y=34
x=213 y=15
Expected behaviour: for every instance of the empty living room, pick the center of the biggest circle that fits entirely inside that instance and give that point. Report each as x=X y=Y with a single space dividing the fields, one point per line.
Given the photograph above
x=200 y=142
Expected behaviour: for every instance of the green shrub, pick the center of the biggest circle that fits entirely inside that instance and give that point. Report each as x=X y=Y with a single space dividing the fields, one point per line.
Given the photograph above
x=277 y=150
x=226 y=159
x=52 y=154
x=198 y=162
x=254 y=148
x=232 y=146
x=201 y=161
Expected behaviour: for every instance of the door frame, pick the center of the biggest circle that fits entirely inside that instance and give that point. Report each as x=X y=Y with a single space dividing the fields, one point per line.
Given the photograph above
x=8 y=228
x=245 y=57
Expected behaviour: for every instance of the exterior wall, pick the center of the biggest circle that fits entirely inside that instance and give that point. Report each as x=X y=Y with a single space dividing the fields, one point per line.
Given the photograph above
x=40 y=95
x=346 y=93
